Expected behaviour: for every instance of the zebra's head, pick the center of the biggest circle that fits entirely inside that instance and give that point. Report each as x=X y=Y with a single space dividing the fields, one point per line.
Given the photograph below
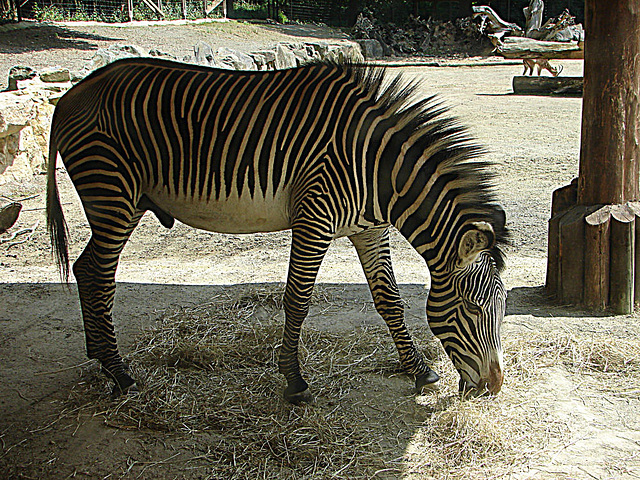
x=466 y=306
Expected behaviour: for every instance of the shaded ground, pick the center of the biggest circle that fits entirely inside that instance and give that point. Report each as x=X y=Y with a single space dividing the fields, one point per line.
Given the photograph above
x=52 y=426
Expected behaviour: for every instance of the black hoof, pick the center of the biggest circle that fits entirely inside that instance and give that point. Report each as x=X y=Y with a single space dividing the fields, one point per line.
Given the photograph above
x=299 y=398
x=426 y=380
x=297 y=392
x=123 y=383
x=131 y=389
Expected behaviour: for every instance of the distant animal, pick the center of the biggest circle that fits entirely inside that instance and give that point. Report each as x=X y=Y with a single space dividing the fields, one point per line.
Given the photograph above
x=326 y=150
x=540 y=64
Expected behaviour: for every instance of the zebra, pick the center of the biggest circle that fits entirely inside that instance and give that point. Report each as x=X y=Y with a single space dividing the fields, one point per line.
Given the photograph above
x=326 y=150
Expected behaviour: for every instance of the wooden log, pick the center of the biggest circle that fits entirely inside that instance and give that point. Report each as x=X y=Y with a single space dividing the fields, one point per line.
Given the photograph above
x=553 y=256
x=635 y=208
x=541 y=85
x=596 y=253
x=622 y=259
x=610 y=150
x=523 y=47
x=563 y=199
x=571 y=255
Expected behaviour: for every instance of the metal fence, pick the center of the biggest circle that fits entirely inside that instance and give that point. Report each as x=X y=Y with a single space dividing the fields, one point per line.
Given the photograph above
x=120 y=10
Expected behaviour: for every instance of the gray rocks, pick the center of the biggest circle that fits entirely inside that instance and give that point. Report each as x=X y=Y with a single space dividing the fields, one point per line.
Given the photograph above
x=55 y=75
x=235 y=60
x=19 y=73
x=371 y=48
x=284 y=57
x=204 y=54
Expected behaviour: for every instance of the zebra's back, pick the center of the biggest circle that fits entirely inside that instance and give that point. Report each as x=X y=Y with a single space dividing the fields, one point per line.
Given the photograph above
x=217 y=149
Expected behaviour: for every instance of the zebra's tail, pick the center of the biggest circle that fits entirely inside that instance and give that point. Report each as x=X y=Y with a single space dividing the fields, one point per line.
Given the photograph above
x=56 y=224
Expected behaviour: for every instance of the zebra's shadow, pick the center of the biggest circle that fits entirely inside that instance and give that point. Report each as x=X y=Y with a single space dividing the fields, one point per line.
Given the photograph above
x=363 y=403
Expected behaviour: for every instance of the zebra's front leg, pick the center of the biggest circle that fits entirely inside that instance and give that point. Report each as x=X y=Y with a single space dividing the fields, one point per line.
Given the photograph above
x=374 y=252
x=308 y=247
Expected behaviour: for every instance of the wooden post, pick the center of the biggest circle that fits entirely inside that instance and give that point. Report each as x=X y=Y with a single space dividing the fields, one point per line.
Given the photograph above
x=597 y=254
x=610 y=126
x=621 y=285
x=595 y=262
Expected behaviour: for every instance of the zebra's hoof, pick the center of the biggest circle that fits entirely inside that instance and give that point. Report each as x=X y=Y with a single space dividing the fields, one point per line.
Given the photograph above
x=123 y=384
x=426 y=380
x=131 y=389
x=297 y=392
x=299 y=398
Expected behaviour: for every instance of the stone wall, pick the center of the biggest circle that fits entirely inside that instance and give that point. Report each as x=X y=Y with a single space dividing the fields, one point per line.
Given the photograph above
x=27 y=107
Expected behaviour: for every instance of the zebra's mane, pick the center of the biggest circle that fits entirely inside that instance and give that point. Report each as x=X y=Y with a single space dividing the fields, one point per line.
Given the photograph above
x=431 y=119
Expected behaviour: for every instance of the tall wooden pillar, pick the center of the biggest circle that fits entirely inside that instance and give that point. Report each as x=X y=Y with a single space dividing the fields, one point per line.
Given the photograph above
x=592 y=232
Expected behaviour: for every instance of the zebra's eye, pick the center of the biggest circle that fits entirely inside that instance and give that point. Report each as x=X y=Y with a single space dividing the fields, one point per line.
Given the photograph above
x=471 y=307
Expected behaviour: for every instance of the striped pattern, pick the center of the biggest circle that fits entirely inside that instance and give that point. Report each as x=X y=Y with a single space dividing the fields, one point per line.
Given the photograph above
x=326 y=150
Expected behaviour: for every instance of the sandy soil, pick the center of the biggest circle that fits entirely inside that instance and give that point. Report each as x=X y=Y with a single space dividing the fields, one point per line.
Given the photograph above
x=535 y=144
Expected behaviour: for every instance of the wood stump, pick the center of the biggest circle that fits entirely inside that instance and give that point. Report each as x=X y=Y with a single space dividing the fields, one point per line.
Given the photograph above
x=592 y=256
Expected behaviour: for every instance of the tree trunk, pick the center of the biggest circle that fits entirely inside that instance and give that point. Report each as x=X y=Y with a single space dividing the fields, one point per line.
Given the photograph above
x=601 y=231
x=610 y=126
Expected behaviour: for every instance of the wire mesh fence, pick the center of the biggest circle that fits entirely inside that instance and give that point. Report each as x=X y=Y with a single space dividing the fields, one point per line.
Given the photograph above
x=120 y=10
x=127 y=10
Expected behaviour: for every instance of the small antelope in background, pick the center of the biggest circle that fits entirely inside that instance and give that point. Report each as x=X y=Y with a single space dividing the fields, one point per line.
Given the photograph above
x=540 y=64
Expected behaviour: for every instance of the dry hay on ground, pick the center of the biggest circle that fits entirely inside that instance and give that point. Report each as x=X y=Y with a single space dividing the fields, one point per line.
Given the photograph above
x=211 y=372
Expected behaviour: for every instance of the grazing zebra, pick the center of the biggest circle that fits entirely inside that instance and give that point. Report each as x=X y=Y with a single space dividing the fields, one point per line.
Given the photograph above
x=326 y=150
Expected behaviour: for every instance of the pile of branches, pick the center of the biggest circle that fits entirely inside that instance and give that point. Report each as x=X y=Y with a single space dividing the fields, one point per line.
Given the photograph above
x=562 y=28
x=420 y=37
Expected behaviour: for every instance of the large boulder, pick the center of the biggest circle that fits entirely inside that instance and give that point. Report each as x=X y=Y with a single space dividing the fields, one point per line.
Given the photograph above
x=371 y=48
x=25 y=120
x=105 y=56
x=227 y=57
x=19 y=73
x=55 y=75
x=284 y=57
x=204 y=54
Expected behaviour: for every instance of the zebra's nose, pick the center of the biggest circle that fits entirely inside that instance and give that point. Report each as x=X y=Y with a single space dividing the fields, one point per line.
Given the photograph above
x=495 y=379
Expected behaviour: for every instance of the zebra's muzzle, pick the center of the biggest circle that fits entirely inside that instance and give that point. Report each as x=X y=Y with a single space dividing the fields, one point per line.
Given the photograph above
x=487 y=385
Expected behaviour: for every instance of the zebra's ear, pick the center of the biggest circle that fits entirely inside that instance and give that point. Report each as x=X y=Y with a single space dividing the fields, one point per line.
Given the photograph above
x=476 y=239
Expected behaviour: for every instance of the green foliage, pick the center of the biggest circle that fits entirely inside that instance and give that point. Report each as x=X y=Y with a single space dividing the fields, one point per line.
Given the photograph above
x=246 y=10
x=48 y=13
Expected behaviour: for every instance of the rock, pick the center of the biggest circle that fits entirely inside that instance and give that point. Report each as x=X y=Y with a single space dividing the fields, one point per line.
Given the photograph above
x=345 y=53
x=259 y=60
x=284 y=57
x=371 y=48
x=105 y=56
x=76 y=76
x=15 y=113
x=9 y=215
x=320 y=49
x=235 y=59
x=204 y=54
x=25 y=120
x=55 y=75
x=269 y=58
x=19 y=73
x=154 y=52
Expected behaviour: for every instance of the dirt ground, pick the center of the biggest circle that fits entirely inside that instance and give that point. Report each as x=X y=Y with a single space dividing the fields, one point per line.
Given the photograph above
x=534 y=142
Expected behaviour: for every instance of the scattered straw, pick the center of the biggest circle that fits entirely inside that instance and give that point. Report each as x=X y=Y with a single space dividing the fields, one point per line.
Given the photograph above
x=209 y=373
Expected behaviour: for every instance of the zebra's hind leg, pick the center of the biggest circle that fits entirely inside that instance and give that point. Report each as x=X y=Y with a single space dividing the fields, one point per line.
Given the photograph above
x=374 y=252
x=309 y=244
x=95 y=272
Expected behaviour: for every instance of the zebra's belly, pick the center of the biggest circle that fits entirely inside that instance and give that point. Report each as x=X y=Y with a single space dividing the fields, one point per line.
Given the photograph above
x=231 y=215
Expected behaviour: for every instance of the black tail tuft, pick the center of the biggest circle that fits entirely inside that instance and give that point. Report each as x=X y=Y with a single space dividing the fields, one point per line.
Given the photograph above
x=56 y=224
